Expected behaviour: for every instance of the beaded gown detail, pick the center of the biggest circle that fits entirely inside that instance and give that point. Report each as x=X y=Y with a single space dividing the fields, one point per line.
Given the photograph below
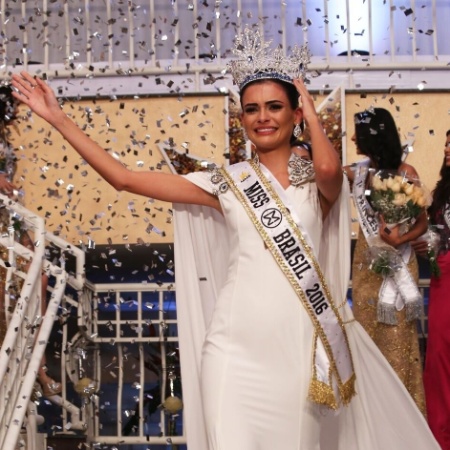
x=398 y=343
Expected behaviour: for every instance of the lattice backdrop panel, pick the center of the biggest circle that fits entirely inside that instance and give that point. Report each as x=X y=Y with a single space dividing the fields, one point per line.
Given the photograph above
x=95 y=37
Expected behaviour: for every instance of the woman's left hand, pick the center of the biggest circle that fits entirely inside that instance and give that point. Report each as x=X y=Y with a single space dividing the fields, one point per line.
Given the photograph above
x=307 y=102
x=390 y=234
x=326 y=160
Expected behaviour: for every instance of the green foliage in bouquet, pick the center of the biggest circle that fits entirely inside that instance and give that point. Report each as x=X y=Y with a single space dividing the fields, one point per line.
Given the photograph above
x=432 y=239
x=434 y=266
x=382 y=265
x=17 y=224
x=383 y=261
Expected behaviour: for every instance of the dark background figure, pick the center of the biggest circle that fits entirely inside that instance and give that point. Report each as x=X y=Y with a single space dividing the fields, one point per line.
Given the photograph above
x=437 y=360
x=376 y=137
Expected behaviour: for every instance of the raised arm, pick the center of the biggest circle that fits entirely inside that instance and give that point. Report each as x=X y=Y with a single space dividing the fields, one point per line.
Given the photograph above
x=41 y=99
x=327 y=165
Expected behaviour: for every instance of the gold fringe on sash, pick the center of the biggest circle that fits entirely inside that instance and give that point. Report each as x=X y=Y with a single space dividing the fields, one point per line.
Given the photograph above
x=347 y=390
x=323 y=393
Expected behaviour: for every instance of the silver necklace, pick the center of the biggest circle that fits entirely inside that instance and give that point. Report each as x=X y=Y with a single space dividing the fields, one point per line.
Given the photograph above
x=300 y=169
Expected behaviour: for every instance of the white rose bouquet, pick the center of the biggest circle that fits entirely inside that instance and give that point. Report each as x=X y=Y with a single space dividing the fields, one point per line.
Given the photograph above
x=400 y=200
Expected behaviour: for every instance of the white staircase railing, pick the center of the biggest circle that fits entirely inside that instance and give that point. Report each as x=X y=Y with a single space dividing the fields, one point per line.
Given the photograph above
x=131 y=341
x=141 y=361
x=28 y=329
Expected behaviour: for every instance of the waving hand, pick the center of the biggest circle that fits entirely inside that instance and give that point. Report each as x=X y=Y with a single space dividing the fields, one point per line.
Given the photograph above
x=38 y=96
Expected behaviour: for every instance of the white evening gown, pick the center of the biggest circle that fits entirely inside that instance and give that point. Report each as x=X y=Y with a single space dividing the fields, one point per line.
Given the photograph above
x=246 y=340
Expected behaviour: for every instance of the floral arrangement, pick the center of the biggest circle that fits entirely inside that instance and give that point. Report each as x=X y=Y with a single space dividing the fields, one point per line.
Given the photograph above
x=399 y=199
x=383 y=260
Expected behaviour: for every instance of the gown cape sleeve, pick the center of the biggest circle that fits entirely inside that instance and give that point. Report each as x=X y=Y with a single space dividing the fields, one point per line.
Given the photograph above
x=201 y=261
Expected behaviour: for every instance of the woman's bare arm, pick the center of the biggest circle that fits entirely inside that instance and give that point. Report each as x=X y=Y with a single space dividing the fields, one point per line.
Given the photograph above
x=327 y=165
x=40 y=98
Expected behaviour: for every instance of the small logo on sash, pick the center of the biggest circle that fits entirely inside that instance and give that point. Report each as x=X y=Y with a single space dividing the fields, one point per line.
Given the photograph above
x=271 y=218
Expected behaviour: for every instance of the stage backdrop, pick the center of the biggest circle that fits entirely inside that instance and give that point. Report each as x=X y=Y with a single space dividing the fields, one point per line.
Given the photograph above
x=81 y=207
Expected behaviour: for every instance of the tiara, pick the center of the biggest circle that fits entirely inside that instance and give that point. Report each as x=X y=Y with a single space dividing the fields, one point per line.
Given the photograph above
x=364 y=116
x=255 y=60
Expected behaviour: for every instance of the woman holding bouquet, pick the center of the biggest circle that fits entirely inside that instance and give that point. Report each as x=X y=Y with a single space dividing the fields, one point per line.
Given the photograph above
x=437 y=361
x=386 y=304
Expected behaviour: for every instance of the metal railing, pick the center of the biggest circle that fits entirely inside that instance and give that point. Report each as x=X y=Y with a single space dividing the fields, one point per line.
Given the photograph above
x=130 y=353
x=28 y=329
x=168 y=39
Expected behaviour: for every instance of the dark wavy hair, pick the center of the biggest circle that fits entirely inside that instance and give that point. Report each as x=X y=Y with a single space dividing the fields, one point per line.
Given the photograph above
x=289 y=88
x=441 y=193
x=295 y=142
x=7 y=104
x=377 y=137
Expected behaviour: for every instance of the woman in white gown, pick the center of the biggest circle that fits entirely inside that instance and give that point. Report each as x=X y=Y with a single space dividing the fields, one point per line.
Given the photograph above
x=271 y=357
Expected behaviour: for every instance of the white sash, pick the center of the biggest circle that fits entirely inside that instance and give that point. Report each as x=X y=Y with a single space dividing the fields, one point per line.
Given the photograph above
x=274 y=217
x=400 y=289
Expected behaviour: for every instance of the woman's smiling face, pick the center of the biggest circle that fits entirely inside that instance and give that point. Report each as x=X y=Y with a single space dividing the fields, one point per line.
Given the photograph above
x=267 y=115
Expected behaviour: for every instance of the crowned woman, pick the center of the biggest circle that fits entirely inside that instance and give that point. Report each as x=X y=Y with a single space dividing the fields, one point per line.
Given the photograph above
x=270 y=354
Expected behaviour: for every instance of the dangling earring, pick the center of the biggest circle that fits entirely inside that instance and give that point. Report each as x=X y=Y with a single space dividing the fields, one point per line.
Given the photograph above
x=297 y=130
x=244 y=135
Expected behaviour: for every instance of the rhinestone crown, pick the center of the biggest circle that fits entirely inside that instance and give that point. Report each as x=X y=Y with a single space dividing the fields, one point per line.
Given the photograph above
x=256 y=61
